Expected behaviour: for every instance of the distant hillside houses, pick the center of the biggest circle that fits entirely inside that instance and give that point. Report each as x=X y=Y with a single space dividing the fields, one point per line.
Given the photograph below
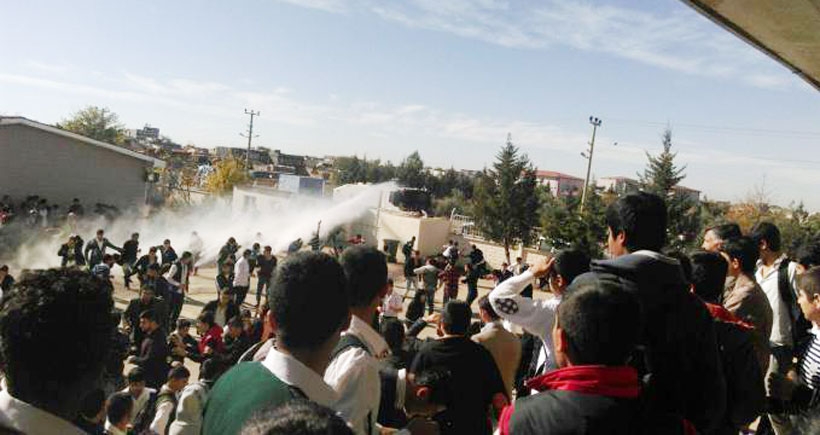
x=624 y=185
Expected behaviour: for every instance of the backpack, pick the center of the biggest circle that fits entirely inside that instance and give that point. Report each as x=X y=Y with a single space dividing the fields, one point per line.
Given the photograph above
x=142 y=422
x=745 y=389
x=800 y=326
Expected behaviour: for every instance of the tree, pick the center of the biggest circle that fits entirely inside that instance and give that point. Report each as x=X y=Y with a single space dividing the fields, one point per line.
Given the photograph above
x=443 y=206
x=410 y=172
x=506 y=203
x=227 y=174
x=97 y=123
x=662 y=177
x=565 y=227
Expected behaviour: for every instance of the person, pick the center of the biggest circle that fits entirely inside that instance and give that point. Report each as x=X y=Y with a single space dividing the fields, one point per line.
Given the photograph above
x=153 y=352
x=140 y=394
x=130 y=250
x=224 y=281
x=807 y=256
x=267 y=264
x=196 y=246
x=120 y=412
x=519 y=267
x=210 y=333
x=95 y=249
x=40 y=396
x=168 y=254
x=798 y=392
x=714 y=237
x=293 y=368
x=177 y=278
x=594 y=390
x=503 y=274
x=391 y=305
x=678 y=341
x=76 y=207
x=411 y=263
x=296 y=417
x=145 y=302
x=354 y=369
x=407 y=248
x=103 y=270
x=227 y=253
x=358 y=240
x=145 y=262
x=236 y=341
x=166 y=403
x=192 y=400
x=392 y=330
x=242 y=277
x=746 y=299
x=537 y=316
x=429 y=277
x=477 y=260
x=6 y=280
x=253 y=257
x=181 y=344
x=449 y=278
x=415 y=309
x=504 y=346
x=71 y=252
x=407 y=396
x=223 y=308
x=91 y=418
x=476 y=382
x=472 y=274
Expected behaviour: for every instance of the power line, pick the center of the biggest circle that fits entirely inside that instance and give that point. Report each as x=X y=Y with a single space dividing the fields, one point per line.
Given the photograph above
x=250 y=137
x=718 y=128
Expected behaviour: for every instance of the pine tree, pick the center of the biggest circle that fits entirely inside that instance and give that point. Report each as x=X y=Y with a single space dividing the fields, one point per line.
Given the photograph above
x=662 y=177
x=506 y=205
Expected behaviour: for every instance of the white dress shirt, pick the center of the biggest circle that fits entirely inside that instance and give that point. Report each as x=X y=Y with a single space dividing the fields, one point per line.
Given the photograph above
x=27 y=419
x=189 y=410
x=392 y=304
x=140 y=401
x=354 y=374
x=162 y=415
x=781 y=322
x=292 y=372
x=242 y=273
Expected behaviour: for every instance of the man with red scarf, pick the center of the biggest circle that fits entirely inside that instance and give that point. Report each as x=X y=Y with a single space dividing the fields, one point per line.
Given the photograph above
x=594 y=390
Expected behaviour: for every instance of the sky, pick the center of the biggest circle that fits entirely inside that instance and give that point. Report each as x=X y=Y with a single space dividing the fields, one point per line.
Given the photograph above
x=450 y=79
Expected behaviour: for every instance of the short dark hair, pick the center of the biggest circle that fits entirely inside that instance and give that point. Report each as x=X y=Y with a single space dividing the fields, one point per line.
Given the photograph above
x=809 y=281
x=393 y=332
x=296 y=417
x=570 y=263
x=236 y=322
x=211 y=369
x=135 y=375
x=168 y=241
x=600 y=319
x=683 y=261
x=179 y=372
x=437 y=379
x=183 y=324
x=484 y=304
x=455 y=317
x=726 y=231
x=642 y=217
x=120 y=406
x=808 y=254
x=34 y=316
x=207 y=317
x=745 y=251
x=299 y=282
x=766 y=231
x=92 y=403
x=709 y=275
x=149 y=315
x=366 y=270
x=186 y=255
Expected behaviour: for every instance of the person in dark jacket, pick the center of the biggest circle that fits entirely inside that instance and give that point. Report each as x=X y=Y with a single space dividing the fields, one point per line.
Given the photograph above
x=679 y=344
x=72 y=252
x=95 y=249
x=153 y=355
x=146 y=301
x=224 y=308
x=236 y=341
x=145 y=262
x=594 y=391
x=130 y=249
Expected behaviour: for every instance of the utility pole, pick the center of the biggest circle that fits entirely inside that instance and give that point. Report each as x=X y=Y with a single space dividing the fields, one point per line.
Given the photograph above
x=250 y=136
x=595 y=124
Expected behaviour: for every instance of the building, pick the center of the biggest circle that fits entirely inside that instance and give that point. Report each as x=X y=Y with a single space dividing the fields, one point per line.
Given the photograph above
x=618 y=185
x=40 y=159
x=147 y=133
x=289 y=161
x=560 y=184
x=257 y=156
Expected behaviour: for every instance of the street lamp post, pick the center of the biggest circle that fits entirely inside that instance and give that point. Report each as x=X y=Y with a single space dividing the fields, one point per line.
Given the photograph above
x=595 y=124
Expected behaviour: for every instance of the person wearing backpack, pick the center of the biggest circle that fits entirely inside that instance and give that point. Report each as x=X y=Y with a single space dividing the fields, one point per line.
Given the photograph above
x=745 y=389
x=165 y=406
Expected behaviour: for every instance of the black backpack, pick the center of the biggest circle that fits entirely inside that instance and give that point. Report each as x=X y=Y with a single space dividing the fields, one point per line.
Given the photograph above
x=800 y=326
x=142 y=422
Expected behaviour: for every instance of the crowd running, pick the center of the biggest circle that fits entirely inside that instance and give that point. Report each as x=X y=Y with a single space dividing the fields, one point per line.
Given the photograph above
x=723 y=340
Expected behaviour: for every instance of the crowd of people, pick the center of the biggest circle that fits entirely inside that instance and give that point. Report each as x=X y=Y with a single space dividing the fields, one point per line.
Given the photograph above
x=714 y=341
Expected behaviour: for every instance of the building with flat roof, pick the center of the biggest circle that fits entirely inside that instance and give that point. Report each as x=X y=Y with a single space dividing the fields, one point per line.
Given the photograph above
x=560 y=184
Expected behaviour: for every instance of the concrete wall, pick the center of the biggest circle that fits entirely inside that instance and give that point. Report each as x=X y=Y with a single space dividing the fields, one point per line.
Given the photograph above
x=430 y=233
x=494 y=253
x=36 y=162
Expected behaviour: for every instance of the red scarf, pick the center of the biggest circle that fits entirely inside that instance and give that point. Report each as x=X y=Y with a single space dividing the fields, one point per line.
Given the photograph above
x=212 y=339
x=719 y=312
x=620 y=381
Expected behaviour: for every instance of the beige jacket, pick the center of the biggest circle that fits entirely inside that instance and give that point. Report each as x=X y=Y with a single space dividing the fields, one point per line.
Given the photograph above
x=747 y=301
x=505 y=348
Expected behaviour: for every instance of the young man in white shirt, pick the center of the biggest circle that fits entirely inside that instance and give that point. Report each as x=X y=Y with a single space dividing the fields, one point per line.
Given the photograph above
x=119 y=414
x=537 y=316
x=167 y=399
x=392 y=302
x=139 y=393
x=242 y=277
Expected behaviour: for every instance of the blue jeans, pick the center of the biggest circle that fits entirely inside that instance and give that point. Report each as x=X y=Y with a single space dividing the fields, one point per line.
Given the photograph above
x=262 y=285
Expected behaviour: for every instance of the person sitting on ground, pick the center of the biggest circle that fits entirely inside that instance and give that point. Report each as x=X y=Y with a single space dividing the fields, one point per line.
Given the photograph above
x=475 y=383
x=598 y=325
x=91 y=417
x=224 y=308
x=181 y=343
x=679 y=342
x=714 y=237
x=745 y=299
x=192 y=400
x=536 y=316
x=798 y=393
x=166 y=403
x=210 y=333
x=301 y=417
x=236 y=341
x=504 y=346
x=293 y=369
x=47 y=370
x=120 y=412
x=153 y=352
